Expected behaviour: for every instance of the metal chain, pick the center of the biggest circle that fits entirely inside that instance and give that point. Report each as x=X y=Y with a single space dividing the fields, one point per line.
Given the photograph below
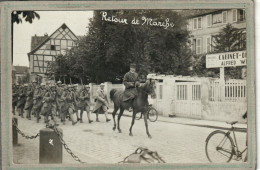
x=23 y=135
x=65 y=145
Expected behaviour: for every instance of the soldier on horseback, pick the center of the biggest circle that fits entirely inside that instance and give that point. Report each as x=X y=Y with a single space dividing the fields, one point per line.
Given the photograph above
x=131 y=82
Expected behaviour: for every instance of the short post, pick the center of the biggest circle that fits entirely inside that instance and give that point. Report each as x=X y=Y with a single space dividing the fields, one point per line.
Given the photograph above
x=50 y=146
x=15 y=133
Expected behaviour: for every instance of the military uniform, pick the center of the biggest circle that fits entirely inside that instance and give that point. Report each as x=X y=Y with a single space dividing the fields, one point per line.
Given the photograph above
x=101 y=105
x=22 y=100
x=69 y=102
x=14 y=98
x=37 y=101
x=29 y=102
x=130 y=81
x=49 y=105
x=84 y=103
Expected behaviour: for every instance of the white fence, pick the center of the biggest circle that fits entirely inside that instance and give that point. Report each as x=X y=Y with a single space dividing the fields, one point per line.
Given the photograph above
x=233 y=90
x=201 y=98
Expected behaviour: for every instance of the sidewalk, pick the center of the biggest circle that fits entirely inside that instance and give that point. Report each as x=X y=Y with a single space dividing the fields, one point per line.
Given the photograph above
x=193 y=122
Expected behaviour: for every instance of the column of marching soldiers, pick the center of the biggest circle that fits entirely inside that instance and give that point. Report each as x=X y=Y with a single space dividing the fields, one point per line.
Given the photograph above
x=51 y=102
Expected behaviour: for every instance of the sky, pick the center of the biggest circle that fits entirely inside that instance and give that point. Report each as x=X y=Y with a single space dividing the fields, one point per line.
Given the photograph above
x=49 y=22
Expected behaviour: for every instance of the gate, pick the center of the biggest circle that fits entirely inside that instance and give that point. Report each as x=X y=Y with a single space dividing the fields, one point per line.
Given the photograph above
x=188 y=99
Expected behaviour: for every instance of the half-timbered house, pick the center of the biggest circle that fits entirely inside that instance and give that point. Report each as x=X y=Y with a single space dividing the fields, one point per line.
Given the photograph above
x=45 y=49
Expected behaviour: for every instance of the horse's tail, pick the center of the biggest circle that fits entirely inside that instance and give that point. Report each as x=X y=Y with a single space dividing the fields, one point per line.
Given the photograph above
x=112 y=92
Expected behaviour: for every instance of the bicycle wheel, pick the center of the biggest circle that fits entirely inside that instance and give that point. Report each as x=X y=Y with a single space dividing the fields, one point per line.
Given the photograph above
x=138 y=116
x=219 y=147
x=152 y=114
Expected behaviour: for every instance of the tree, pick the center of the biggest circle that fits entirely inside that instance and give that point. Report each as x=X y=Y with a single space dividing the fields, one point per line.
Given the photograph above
x=227 y=40
x=105 y=53
x=28 y=16
x=230 y=39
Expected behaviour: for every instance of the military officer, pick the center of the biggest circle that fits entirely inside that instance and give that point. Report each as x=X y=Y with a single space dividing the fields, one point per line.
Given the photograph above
x=131 y=82
x=101 y=105
x=84 y=103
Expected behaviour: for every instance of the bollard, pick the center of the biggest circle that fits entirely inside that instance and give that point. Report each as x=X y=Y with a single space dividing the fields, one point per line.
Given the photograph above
x=50 y=146
x=15 y=133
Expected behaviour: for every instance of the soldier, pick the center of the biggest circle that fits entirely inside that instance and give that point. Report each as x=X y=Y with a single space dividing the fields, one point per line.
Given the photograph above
x=84 y=103
x=131 y=82
x=49 y=104
x=59 y=90
x=101 y=105
x=22 y=99
x=76 y=92
x=15 y=96
x=62 y=103
x=70 y=99
x=29 y=102
x=37 y=100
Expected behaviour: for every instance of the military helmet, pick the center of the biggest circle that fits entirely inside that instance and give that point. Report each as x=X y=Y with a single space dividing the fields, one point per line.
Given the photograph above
x=59 y=82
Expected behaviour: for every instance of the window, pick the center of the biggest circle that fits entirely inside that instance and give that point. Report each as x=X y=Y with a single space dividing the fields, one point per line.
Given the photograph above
x=234 y=13
x=240 y=15
x=209 y=20
x=208 y=41
x=217 y=18
x=53 y=47
x=194 y=45
x=197 y=23
x=198 y=46
x=224 y=16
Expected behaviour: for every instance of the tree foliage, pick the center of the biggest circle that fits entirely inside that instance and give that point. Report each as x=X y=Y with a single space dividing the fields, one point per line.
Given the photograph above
x=227 y=40
x=105 y=53
x=28 y=16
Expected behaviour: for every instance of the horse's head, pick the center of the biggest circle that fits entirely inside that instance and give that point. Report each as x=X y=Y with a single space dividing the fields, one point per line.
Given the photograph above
x=149 y=87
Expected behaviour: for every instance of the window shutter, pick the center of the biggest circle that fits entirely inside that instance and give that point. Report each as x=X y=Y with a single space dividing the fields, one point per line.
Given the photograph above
x=195 y=23
x=234 y=12
x=198 y=46
x=209 y=20
x=224 y=17
x=200 y=22
x=208 y=43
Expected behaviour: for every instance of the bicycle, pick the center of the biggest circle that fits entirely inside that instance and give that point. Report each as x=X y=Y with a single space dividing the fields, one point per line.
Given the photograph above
x=152 y=114
x=220 y=146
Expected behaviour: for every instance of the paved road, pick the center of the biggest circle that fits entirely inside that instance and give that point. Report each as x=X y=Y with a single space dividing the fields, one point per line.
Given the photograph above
x=98 y=143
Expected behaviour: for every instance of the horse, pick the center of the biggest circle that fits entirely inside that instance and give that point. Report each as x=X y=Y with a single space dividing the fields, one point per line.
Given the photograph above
x=139 y=104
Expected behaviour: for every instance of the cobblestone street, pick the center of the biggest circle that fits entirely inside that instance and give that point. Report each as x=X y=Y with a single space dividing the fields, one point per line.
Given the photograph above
x=98 y=143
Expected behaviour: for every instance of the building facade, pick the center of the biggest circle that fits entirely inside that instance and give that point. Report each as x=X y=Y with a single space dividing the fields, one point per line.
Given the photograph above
x=204 y=24
x=45 y=49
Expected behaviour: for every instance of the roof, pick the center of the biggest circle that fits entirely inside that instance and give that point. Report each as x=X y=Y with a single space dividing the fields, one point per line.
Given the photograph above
x=21 y=69
x=44 y=40
x=36 y=40
x=190 y=13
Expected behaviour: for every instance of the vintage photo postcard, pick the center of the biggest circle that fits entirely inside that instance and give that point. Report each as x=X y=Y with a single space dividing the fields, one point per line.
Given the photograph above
x=128 y=85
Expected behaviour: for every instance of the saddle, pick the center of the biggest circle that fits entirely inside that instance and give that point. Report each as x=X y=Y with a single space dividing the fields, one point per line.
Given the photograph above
x=129 y=94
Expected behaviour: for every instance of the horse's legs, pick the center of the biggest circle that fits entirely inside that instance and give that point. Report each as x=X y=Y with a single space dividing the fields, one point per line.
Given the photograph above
x=146 y=124
x=118 y=119
x=114 y=115
x=133 y=122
